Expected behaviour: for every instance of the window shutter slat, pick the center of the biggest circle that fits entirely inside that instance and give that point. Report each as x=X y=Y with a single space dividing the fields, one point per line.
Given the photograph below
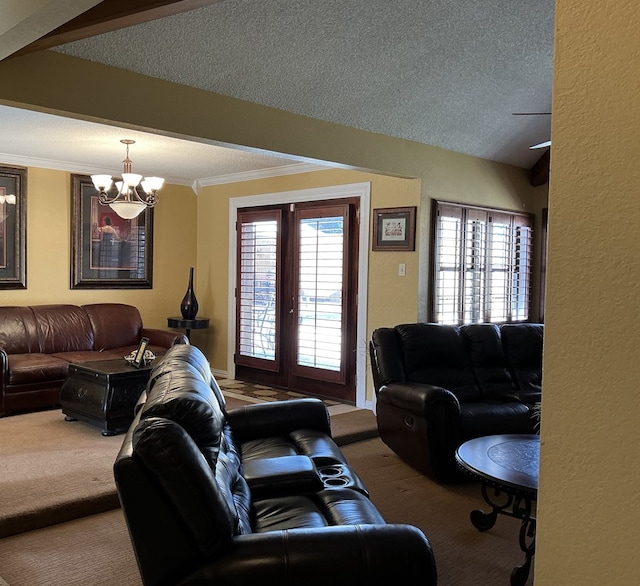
x=482 y=265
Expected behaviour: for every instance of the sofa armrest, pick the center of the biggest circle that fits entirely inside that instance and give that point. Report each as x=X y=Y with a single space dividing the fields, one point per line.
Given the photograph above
x=418 y=398
x=277 y=477
x=278 y=418
x=338 y=555
x=163 y=338
x=4 y=370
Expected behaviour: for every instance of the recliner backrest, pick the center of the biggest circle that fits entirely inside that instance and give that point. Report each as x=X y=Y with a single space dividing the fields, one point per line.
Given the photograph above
x=484 y=344
x=186 y=410
x=522 y=345
x=171 y=457
x=186 y=356
x=387 y=364
x=435 y=354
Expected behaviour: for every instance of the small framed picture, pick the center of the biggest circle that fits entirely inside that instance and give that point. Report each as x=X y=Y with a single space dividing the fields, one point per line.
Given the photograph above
x=394 y=229
x=138 y=359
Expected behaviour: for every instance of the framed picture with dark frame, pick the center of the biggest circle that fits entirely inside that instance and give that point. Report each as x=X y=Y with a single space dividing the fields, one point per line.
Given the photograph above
x=107 y=251
x=394 y=229
x=13 y=228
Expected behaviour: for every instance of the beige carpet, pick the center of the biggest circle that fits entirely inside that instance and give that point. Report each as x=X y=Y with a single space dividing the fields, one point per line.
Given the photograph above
x=95 y=551
x=52 y=470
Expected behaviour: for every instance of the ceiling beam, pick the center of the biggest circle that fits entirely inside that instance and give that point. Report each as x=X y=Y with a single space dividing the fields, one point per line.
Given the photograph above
x=539 y=173
x=111 y=15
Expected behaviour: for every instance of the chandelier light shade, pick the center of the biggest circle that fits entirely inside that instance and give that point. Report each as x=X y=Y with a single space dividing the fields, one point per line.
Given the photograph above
x=127 y=202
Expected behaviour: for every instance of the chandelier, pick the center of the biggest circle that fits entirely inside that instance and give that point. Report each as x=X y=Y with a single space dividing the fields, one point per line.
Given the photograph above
x=127 y=202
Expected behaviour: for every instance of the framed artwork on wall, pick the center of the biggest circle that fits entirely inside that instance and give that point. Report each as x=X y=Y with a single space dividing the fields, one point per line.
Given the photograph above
x=107 y=251
x=13 y=228
x=394 y=229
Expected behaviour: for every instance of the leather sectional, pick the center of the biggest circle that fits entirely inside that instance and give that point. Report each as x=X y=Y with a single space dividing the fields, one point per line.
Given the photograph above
x=256 y=495
x=38 y=342
x=438 y=386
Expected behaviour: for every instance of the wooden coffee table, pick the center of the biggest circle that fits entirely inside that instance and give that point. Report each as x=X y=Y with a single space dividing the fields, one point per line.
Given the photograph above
x=103 y=393
x=507 y=466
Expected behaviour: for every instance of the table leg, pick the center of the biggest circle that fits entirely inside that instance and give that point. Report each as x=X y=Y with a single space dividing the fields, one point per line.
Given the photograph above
x=519 y=574
x=513 y=504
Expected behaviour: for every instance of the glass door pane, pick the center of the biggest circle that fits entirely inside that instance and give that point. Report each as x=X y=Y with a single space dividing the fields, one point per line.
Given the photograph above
x=321 y=283
x=258 y=264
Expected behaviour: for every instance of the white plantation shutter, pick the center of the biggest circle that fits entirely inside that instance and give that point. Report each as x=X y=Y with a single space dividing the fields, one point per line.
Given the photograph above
x=321 y=278
x=482 y=265
x=258 y=276
x=321 y=252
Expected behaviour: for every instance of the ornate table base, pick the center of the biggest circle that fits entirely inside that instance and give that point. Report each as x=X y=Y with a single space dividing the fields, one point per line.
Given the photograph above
x=513 y=503
x=507 y=466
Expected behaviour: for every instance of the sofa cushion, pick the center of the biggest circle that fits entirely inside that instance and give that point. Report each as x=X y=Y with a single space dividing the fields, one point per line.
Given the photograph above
x=436 y=354
x=344 y=506
x=287 y=512
x=86 y=356
x=315 y=444
x=522 y=345
x=18 y=333
x=62 y=328
x=34 y=368
x=491 y=418
x=488 y=360
x=114 y=325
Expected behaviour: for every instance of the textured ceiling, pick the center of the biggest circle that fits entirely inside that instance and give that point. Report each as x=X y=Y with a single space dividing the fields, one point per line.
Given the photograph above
x=448 y=73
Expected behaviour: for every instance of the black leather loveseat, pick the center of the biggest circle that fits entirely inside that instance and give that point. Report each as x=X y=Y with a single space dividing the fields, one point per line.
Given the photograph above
x=257 y=495
x=438 y=386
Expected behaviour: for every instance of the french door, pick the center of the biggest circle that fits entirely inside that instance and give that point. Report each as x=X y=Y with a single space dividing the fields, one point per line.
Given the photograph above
x=296 y=297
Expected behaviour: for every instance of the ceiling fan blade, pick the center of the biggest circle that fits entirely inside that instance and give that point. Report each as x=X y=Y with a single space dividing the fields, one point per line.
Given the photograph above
x=541 y=145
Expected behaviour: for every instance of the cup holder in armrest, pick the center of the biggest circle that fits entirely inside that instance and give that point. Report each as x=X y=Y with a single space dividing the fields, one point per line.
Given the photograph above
x=340 y=476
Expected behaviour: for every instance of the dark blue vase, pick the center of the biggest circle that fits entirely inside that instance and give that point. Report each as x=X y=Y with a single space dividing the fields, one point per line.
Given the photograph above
x=189 y=305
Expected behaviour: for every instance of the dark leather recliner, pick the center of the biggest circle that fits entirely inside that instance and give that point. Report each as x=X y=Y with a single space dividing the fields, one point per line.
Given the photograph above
x=257 y=495
x=438 y=386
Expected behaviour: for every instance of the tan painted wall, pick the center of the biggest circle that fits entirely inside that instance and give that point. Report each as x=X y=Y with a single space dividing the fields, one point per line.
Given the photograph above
x=49 y=246
x=589 y=510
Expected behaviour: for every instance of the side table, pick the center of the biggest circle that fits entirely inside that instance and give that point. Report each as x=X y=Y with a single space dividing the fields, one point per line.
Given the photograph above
x=103 y=393
x=507 y=466
x=197 y=323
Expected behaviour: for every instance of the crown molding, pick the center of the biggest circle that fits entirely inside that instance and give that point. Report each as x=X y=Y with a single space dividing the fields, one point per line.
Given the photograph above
x=196 y=185
x=293 y=169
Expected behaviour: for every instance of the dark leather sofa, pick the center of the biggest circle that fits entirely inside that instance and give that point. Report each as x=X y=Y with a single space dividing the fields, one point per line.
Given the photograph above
x=438 y=386
x=37 y=344
x=256 y=495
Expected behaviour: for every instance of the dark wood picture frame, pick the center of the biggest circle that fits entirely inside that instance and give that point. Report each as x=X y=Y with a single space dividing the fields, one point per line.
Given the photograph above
x=394 y=229
x=13 y=227
x=107 y=251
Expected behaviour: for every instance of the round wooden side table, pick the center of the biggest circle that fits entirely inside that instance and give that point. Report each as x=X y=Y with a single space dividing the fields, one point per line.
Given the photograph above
x=179 y=323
